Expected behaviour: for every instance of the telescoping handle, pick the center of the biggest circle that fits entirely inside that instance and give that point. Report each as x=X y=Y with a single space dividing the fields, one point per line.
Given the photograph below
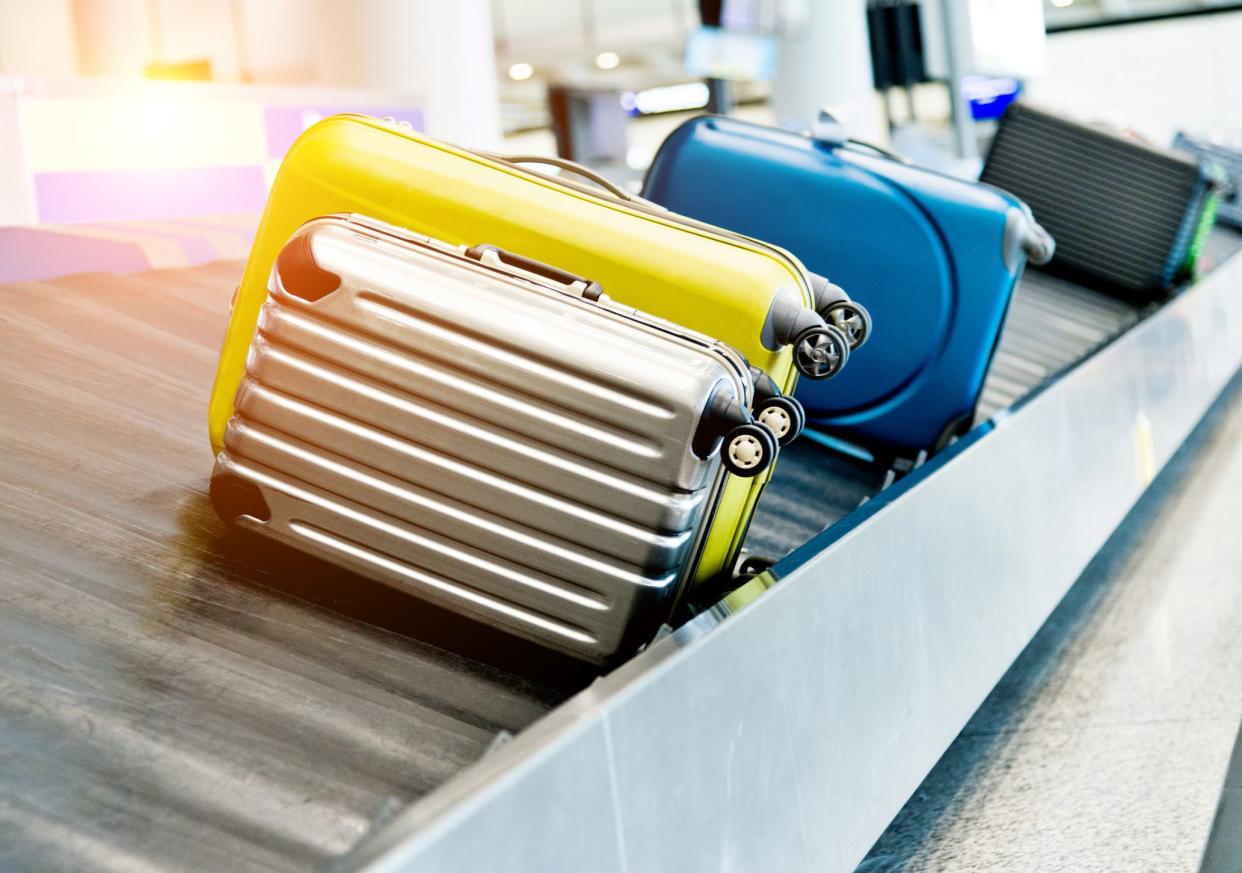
x=494 y=255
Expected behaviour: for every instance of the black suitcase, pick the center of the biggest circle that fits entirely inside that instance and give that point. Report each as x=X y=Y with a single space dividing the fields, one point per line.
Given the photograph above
x=1125 y=214
x=1226 y=152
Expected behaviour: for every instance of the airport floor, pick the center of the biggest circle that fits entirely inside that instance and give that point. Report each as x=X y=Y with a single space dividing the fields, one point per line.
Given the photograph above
x=1105 y=746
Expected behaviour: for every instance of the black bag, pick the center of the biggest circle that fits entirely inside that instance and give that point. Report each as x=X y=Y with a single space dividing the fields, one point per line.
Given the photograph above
x=1124 y=213
x=1228 y=155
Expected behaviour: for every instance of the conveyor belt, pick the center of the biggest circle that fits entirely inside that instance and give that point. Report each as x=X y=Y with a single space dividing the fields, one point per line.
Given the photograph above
x=172 y=697
x=177 y=696
x=786 y=518
x=1052 y=325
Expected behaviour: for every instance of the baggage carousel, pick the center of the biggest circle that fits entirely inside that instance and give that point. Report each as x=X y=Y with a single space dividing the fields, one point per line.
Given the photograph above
x=180 y=696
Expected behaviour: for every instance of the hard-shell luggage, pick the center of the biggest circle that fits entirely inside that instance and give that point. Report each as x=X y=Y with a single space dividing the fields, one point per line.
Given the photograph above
x=1127 y=216
x=751 y=295
x=934 y=259
x=1226 y=152
x=486 y=432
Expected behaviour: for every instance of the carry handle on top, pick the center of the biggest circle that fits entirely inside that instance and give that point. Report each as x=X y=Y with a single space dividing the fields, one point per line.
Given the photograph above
x=830 y=130
x=587 y=288
x=563 y=164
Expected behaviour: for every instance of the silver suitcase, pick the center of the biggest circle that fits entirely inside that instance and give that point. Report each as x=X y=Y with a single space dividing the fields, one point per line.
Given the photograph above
x=485 y=432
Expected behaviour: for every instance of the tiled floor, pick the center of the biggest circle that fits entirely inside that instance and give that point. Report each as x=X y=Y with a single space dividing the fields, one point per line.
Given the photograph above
x=1105 y=746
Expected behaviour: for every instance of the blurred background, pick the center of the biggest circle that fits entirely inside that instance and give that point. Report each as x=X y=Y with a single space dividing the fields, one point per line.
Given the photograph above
x=121 y=111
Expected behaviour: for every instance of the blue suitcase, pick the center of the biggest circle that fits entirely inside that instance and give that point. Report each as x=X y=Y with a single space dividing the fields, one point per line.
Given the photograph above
x=934 y=258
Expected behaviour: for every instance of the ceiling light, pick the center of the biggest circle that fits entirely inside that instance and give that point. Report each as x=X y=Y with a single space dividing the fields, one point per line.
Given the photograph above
x=638 y=157
x=669 y=98
x=607 y=60
x=520 y=72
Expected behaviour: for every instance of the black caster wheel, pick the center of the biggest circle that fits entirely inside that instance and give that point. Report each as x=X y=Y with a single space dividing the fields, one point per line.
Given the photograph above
x=852 y=319
x=783 y=416
x=821 y=352
x=953 y=431
x=753 y=565
x=748 y=450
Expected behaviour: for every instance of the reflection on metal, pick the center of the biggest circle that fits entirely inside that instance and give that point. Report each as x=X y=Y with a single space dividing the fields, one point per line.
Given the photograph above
x=787 y=735
x=1223 y=853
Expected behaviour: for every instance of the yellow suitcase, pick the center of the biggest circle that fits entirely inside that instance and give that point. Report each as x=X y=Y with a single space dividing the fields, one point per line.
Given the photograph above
x=753 y=296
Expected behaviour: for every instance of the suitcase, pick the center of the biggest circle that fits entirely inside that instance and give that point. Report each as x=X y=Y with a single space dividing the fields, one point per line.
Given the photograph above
x=486 y=432
x=1226 y=153
x=751 y=295
x=1127 y=216
x=934 y=258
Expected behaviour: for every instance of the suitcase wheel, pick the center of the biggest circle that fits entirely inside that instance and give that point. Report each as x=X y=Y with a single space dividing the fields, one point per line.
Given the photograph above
x=783 y=416
x=748 y=450
x=821 y=352
x=752 y=565
x=852 y=319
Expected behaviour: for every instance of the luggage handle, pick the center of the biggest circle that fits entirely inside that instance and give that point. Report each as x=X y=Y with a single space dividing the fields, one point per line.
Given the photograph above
x=587 y=288
x=830 y=130
x=566 y=165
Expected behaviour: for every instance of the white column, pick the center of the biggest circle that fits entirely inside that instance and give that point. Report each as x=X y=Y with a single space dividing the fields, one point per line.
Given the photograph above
x=440 y=53
x=37 y=39
x=114 y=37
x=827 y=62
x=463 y=98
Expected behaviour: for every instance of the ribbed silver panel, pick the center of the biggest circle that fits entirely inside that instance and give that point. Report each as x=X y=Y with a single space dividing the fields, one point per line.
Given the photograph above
x=493 y=445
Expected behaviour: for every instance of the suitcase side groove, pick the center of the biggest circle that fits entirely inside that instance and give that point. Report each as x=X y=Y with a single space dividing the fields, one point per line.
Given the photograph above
x=515 y=543
x=634 y=510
